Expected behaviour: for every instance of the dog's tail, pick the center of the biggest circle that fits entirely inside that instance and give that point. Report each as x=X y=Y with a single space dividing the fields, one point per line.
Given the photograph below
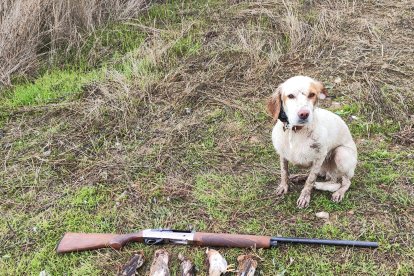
x=329 y=186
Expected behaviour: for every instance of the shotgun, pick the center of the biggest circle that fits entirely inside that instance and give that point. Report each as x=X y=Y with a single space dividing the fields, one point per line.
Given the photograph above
x=81 y=241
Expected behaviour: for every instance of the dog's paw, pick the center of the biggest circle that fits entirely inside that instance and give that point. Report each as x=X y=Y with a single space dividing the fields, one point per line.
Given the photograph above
x=338 y=196
x=303 y=200
x=281 y=189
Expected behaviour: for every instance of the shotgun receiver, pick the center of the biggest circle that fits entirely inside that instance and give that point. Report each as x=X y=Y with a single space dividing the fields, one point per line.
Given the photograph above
x=80 y=241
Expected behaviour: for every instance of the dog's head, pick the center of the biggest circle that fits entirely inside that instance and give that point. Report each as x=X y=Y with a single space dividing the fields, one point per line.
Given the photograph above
x=297 y=97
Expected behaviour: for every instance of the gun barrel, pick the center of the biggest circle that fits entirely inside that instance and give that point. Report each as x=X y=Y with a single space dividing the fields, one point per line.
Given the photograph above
x=275 y=240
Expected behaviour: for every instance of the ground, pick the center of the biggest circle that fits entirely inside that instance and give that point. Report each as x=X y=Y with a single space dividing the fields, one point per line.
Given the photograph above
x=171 y=131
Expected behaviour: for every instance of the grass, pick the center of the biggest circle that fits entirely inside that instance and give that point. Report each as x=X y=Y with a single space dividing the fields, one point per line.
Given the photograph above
x=167 y=128
x=52 y=87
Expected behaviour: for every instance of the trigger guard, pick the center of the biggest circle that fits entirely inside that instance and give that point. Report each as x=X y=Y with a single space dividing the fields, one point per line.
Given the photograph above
x=149 y=241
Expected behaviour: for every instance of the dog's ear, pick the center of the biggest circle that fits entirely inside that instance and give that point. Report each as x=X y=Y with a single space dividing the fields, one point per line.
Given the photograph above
x=323 y=92
x=273 y=105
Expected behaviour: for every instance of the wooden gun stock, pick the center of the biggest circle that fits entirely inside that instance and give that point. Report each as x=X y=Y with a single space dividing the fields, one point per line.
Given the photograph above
x=72 y=242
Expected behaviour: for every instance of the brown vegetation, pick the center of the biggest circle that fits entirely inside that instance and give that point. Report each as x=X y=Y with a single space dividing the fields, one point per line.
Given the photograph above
x=33 y=31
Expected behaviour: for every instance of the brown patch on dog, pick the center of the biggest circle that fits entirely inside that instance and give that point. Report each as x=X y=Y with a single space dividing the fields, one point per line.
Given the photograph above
x=284 y=98
x=316 y=147
x=273 y=105
x=317 y=88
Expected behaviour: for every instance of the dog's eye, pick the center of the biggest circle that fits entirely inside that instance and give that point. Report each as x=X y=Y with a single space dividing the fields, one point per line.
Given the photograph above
x=311 y=95
x=291 y=96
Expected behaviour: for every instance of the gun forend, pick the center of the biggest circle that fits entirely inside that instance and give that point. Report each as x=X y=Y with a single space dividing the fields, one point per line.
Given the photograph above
x=231 y=240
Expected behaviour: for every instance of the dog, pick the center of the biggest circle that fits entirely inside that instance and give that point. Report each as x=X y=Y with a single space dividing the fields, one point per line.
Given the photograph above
x=311 y=137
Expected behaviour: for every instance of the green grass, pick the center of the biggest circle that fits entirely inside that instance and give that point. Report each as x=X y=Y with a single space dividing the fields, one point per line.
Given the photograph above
x=219 y=194
x=54 y=86
x=188 y=45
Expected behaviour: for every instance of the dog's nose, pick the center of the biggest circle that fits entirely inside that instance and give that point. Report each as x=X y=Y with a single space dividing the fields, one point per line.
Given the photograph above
x=303 y=114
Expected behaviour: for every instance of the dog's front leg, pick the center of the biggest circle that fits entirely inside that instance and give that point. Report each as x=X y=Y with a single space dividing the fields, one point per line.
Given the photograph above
x=304 y=198
x=284 y=177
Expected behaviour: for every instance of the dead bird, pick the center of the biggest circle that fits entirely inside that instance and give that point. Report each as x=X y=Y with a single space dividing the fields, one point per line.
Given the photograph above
x=216 y=263
x=159 y=266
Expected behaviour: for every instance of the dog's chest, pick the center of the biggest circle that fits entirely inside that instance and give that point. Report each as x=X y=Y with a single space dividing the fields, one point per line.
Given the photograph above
x=298 y=148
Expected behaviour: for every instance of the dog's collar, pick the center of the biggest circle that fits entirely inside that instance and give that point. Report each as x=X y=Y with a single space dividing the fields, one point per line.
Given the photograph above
x=294 y=128
x=284 y=119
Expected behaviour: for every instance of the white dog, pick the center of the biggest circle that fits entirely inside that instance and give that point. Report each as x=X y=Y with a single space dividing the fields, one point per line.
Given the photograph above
x=309 y=136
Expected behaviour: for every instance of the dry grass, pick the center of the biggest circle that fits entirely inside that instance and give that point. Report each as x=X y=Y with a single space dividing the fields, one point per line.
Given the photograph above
x=33 y=31
x=176 y=135
x=405 y=136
